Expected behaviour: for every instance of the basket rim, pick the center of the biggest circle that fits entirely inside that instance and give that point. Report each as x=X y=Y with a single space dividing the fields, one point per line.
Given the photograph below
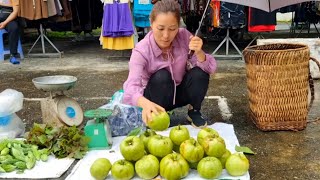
x=252 y=48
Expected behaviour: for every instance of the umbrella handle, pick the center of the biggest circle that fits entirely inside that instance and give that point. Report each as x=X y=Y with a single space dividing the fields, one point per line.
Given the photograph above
x=191 y=52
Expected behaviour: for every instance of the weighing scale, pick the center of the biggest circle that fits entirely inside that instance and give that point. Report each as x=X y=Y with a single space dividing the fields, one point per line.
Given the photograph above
x=58 y=109
x=98 y=129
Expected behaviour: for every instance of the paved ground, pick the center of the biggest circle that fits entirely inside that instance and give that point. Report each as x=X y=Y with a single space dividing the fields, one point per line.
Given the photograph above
x=280 y=154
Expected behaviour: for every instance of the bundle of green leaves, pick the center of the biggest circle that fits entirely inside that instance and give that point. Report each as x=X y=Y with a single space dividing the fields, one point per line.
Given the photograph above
x=18 y=155
x=61 y=141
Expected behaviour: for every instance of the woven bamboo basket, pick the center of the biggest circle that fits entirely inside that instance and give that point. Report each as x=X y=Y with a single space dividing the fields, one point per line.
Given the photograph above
x=277 y=81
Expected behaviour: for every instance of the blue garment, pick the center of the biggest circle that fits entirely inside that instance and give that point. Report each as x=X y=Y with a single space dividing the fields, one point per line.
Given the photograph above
x=141 y=13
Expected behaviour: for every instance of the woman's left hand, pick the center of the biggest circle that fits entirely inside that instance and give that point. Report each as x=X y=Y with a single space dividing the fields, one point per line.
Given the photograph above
x=195 y=44
x=2 y=25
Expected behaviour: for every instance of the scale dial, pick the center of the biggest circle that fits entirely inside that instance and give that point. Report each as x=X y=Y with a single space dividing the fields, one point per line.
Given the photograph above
x=69 y=111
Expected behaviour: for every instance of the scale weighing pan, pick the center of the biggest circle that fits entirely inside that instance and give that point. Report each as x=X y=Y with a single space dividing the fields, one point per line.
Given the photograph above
x=54 y=83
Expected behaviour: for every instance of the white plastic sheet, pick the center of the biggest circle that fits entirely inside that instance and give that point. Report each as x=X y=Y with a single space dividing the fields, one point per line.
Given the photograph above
x=82 y=169
x=53 y=168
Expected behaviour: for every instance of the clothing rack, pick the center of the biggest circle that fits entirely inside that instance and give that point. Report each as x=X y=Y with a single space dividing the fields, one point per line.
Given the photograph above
x=43 y=37
x=226 y=40
x=258 y=36
x=309 y=24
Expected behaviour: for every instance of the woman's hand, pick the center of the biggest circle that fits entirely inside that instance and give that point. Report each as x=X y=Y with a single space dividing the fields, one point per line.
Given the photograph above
x=149 y=107
x=195 y=44
x=2 y=25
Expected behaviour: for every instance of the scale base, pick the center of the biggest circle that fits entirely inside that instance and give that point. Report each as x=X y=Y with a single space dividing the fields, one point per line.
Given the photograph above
x=55 y=111
x=98 y=134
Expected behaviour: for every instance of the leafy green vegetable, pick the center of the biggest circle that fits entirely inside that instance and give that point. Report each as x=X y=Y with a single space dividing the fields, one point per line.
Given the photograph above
x=35 y=151
x=44 y=157
x=42 y=135
x=19 y=155
x=5 y=151
x=244 y=149
x=61 y=141
x=9 y=161
x=135 y=132
x=4 y=157
x=3 y=144
x=71 y=143
x=20 y=165
x=30 y=160
x=170 y=112
x=8 y=167
x=2 y=170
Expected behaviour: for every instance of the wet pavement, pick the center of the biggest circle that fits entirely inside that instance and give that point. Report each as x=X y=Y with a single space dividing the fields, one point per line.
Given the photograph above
x=279 y=154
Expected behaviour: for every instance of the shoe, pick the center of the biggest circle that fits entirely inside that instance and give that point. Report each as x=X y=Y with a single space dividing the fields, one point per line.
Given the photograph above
x=196 y=119
x=14 y=60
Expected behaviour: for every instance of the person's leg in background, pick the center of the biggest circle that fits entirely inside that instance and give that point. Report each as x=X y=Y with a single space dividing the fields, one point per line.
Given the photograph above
x=13 y=35
x=192 y=91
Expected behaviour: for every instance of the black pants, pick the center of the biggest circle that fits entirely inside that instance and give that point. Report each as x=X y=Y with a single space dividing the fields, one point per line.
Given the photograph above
x=192 y=89
x=13 y=33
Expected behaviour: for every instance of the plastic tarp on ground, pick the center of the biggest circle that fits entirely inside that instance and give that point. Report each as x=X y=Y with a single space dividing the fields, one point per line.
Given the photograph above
x=82 y=169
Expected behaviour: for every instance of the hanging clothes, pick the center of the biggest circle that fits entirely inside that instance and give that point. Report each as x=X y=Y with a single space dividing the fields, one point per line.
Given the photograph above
x=141 y=11
x=300 y=14
x=261 y=21
x=311 y=12
x=86 y=15
x=119 y=43
x=97 y=13
x=117 y=20
x=193 y=15
x=231 y=15
x=215 y=5
x=66 y=13
x=81 y=16
x=117 y=27
x=52 y=10
x=62 y=22
x=8 y=3
x=287 y=9
x=33 y=9
x=58 y=7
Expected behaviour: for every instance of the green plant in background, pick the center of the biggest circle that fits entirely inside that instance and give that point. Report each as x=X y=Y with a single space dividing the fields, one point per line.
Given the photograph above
x=69 y=34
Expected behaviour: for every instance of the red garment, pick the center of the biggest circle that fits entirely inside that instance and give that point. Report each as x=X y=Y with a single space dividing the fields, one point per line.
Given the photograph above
x=215 y=5
x=259 y=28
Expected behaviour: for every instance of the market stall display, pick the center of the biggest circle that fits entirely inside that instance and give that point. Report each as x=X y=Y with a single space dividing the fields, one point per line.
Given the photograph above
x=226 y=131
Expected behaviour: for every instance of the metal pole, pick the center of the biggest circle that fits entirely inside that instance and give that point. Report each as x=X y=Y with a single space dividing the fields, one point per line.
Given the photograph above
x=42 y=39
x=227 y=42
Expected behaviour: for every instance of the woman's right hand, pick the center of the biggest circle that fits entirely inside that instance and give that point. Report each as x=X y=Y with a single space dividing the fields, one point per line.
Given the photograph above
x=149 y=107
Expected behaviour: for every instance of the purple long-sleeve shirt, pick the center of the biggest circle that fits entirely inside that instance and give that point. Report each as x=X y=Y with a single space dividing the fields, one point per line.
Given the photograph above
x=146 y=59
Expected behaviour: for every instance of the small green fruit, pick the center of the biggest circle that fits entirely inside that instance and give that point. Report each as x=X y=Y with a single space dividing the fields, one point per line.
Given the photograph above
x=100 y=168
x=159 y=122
